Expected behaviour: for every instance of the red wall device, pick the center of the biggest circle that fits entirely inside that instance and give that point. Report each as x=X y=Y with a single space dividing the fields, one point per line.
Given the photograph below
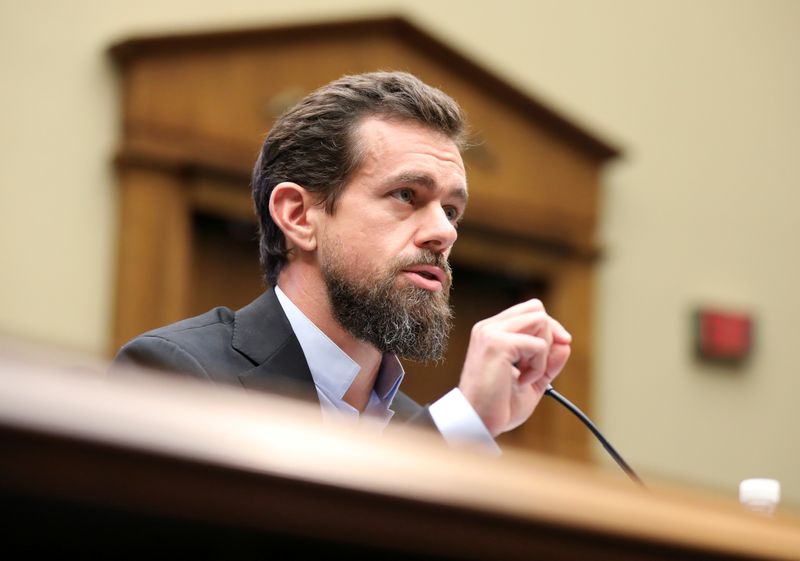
x=723 y=336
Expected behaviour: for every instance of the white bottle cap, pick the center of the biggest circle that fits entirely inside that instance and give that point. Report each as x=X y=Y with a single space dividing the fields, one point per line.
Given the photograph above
x=760 y=491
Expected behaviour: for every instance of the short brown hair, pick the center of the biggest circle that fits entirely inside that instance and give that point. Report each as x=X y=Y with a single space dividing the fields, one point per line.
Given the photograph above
x=313 y=144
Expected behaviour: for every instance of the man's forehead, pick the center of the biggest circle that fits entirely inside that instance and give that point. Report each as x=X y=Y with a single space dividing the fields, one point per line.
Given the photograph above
x=379 y=138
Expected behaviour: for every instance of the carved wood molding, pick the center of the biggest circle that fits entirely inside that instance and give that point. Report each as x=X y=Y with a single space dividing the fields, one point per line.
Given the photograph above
x=127 y=51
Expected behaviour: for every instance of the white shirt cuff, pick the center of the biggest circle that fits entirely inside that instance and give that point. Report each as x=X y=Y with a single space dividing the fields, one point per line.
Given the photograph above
x=460 y=425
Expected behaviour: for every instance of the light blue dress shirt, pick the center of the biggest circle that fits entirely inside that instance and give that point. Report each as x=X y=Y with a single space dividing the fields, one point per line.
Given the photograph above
x=333 y=372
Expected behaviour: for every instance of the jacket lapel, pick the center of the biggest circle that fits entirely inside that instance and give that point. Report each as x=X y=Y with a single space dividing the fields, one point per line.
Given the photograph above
x=263 y=334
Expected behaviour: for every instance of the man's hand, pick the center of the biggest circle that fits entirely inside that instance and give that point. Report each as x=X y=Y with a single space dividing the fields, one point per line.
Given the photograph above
x=511 y=359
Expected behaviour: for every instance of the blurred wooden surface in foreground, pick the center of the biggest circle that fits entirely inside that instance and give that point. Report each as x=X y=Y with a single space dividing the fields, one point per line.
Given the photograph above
x=98 y=465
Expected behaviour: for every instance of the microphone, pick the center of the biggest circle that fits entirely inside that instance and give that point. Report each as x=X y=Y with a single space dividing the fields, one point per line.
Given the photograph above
x=585 y=420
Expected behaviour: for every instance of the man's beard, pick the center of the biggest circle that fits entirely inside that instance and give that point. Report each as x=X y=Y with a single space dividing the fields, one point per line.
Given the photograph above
x=406 y=320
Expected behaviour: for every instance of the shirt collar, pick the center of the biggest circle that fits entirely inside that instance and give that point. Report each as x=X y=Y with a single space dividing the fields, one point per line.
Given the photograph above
x=331 y=368
x=390 y=375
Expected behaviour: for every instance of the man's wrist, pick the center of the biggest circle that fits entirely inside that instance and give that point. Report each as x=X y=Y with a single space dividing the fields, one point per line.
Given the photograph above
x=460 y=424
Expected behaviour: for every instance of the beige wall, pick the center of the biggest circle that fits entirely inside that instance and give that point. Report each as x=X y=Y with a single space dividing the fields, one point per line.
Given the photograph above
x=701 y=94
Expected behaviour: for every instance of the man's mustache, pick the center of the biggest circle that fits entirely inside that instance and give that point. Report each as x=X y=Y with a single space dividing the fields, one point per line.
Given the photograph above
x=426 y=257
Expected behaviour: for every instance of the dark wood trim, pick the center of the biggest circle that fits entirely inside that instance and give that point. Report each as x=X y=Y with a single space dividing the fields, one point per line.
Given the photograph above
x=130 y=49
x=406 y=32
x=549 y=246
x=177 y=152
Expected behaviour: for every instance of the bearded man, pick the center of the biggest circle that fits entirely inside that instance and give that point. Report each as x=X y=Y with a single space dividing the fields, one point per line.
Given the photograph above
x=359 y=190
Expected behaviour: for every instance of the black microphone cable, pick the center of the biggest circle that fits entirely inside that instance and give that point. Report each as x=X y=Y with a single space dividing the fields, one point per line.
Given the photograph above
x=585 y=420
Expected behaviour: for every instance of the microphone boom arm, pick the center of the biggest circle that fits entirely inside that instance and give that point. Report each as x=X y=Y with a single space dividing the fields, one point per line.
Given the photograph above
x=586 y=421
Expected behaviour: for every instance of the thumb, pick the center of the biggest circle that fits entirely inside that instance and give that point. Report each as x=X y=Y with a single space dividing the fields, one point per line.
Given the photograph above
x=559 y=354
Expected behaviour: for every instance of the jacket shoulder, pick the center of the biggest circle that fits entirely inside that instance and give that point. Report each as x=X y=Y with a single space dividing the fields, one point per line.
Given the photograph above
x=199 y=346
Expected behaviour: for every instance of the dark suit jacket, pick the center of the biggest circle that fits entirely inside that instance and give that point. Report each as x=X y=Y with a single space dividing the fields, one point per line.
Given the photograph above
x=254 y=347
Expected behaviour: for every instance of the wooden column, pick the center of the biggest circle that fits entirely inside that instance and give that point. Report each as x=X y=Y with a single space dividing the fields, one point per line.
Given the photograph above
x=155 y=248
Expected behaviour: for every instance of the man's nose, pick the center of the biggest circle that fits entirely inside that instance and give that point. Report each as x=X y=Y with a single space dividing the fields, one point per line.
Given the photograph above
x=436 y=232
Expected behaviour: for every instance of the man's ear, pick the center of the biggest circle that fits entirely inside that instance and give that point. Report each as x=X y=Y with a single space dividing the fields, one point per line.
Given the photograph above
x=290 y=205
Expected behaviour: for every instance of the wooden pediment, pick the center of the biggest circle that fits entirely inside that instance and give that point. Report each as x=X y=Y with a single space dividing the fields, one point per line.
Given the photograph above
x=205 y=100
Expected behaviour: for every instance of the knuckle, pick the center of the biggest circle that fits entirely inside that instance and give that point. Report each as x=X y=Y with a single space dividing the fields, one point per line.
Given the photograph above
x=536 y=304
x=478 y=328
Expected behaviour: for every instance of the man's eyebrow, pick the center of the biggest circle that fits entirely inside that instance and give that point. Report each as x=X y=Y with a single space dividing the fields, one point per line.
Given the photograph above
x=426 y=181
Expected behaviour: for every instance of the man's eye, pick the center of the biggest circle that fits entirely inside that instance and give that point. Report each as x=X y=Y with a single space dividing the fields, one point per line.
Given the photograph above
x=405 y=195
x=452 y=213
